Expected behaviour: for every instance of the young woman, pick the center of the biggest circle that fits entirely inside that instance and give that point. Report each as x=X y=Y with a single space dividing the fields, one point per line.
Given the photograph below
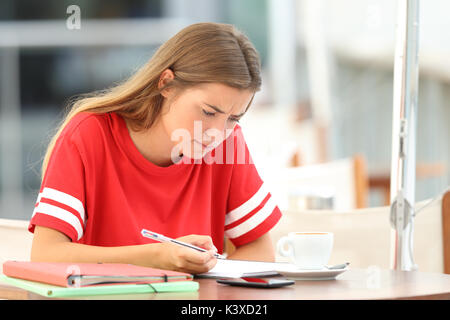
x=135 y=156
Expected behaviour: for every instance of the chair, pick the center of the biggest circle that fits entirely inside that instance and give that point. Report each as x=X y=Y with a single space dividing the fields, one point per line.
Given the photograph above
x=363 y=236
x=346 y=179
x=15 y=240
x=446 y=230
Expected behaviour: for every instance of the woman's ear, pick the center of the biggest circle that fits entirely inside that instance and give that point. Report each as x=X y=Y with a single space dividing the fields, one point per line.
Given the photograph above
x=165 y=77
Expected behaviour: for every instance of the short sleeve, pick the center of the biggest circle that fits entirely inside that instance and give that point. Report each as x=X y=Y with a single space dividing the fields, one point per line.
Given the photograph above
x=60 y=204
x=251 y=209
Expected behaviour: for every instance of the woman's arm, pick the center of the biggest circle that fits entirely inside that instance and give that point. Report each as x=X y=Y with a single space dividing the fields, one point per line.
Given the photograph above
x=50 y=245
x=260 y=249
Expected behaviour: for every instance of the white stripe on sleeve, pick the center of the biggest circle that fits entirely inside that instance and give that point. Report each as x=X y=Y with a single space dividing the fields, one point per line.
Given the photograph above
x=247 y=206
x=61 y=214
x=253 y=221
x=63 y=198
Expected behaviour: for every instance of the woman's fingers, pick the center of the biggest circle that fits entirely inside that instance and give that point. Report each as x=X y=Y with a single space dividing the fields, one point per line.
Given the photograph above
x=204 y=242
x=194 y=256
x=196 y=268
x=193 y=261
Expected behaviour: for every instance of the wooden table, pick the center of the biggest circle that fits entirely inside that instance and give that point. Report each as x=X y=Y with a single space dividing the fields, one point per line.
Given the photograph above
x=372 y=283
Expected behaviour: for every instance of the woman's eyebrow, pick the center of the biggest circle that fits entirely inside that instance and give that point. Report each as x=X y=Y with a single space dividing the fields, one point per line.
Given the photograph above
x=220 y=111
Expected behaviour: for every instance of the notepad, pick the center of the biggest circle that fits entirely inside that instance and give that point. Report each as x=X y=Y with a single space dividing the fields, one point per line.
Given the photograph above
x=243 y=268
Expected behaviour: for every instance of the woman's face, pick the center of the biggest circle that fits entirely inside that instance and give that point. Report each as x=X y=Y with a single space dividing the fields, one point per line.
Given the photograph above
x=200 y=118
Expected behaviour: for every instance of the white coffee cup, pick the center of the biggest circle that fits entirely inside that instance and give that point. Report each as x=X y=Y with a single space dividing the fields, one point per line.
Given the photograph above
x=307 y=250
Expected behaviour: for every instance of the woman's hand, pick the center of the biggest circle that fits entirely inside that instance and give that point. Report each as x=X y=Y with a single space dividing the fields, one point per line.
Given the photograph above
x=50 y=245
x=180 y=258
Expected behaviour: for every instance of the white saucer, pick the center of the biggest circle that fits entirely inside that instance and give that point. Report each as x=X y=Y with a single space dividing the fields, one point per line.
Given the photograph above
x=292 y=272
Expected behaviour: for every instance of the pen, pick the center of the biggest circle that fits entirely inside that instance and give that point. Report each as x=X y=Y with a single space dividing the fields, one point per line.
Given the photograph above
x=161 y=238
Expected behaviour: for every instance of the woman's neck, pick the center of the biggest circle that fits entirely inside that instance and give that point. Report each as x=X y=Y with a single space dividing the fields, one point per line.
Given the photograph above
x=154 y=144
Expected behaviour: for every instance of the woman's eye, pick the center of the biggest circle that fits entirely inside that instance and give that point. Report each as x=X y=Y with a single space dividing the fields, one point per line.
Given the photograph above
x=208 y=113
x=212 y=114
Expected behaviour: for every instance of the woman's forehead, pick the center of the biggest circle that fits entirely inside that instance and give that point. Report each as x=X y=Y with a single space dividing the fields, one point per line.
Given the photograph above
x=223 y=97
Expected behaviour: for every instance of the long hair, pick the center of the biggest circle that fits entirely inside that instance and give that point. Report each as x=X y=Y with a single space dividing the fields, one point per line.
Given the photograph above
x=199 y=53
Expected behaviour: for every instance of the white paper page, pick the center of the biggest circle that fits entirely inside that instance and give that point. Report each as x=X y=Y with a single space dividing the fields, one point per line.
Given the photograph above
x=238 y=268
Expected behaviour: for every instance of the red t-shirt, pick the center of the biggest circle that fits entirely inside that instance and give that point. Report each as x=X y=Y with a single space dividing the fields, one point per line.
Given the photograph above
x=100 y=190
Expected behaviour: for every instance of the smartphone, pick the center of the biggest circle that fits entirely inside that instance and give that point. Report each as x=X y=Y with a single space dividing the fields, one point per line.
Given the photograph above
x=257 y=282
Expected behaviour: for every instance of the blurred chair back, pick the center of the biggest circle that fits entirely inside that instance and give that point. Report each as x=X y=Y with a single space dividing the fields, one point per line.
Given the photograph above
x=338 y=185
x=15 y=240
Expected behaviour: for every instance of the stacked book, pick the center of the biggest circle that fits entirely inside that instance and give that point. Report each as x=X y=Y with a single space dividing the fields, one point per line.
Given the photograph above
x=58 y=279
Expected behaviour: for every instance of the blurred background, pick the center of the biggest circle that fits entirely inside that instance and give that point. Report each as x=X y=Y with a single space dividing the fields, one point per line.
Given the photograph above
x=319 y=131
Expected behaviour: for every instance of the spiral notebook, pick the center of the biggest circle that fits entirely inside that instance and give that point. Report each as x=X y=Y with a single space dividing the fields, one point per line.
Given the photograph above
x=243 y=268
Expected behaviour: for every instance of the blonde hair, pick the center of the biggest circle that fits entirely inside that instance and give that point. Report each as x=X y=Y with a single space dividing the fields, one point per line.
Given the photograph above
x=199 y=53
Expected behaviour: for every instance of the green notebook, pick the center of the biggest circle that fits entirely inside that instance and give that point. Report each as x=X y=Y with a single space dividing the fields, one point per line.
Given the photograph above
x=49 y=290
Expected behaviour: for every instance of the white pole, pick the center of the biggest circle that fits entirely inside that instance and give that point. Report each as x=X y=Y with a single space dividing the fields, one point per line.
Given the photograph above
x=317 y=59
x=404 y=123
x=282 y=48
